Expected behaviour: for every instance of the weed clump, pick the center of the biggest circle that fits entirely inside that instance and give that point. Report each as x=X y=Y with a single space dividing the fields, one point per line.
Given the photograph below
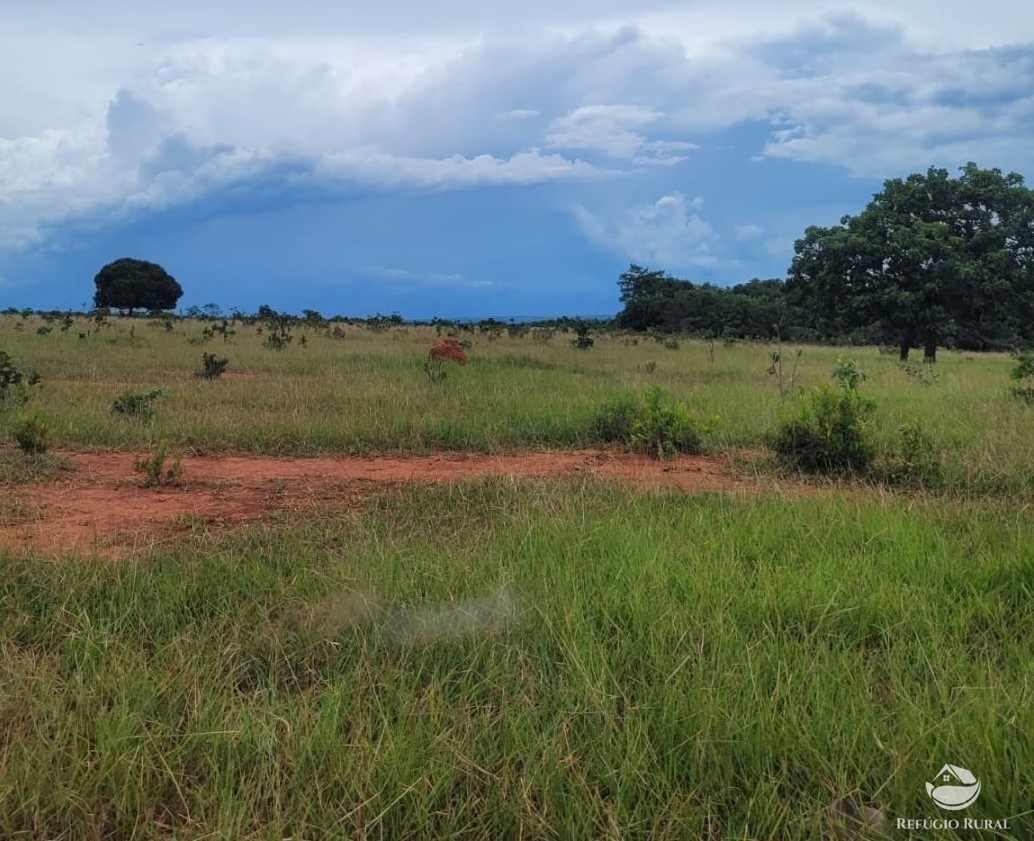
x=156 y=469
x=827 y=430
x=657 y=425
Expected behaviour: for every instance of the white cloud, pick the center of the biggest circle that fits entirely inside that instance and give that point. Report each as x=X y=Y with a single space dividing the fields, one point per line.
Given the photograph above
x=616 y=131
x=665 y=233
x=385 y=170
x=400 y=95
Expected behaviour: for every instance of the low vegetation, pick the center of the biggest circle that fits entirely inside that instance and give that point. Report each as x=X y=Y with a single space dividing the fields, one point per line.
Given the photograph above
x=640 y=667
x=520 y=658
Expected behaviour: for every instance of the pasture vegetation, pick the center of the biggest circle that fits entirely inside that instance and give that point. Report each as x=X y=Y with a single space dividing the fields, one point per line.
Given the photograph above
x=353 y=389
x=519 y=659
x=673 y=667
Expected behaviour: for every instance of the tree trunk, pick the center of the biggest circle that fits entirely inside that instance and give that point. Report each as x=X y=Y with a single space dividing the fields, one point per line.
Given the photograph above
x=906 y=344
x=930 y=349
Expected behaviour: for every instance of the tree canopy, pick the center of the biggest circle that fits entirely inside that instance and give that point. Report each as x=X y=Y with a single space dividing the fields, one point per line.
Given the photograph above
x=931 y=257
x=930 y=260
x=654 y=300
x=129 y=284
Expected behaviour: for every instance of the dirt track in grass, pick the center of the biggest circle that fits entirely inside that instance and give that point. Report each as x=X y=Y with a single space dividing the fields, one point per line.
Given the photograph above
x=100 y=508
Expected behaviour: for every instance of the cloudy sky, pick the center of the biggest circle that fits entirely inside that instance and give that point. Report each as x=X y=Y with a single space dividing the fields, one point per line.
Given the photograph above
x=469 y=158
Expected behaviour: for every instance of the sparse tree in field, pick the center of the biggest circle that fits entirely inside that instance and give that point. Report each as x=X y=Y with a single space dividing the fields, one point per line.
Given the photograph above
x=930 y=257
x=128 y=284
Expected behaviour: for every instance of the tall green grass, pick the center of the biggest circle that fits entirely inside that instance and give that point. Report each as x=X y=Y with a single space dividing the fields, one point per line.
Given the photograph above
x=588 y=663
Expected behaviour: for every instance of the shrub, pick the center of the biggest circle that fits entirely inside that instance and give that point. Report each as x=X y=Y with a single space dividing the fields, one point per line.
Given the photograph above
x=656 y=425
x=154 y=469
x=827 y=429
x=915 y=461
x=14 y=382
x=31 y=433
x=1023 y=373
x=211 y=366
x=582 y=340
x=136 y=404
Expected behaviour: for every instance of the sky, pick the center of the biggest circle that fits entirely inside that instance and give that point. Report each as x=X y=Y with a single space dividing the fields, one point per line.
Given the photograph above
x=471 y=159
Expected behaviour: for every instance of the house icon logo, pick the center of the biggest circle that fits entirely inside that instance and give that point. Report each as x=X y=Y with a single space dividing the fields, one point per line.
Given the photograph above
x=953 y=788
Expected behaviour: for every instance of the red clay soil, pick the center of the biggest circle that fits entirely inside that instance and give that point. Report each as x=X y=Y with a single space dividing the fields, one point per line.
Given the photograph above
x=100 y=508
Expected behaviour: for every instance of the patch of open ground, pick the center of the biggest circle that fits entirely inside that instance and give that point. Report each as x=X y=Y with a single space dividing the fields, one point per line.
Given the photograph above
x=99 y=506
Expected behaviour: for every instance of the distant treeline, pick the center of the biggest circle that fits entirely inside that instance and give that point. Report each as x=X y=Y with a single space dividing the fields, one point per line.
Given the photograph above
x=313 y=318
x=775 y=309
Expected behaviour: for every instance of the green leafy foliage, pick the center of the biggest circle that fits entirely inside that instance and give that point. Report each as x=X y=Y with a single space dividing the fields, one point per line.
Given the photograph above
x=827 y=429
x=156 y=468
x=582 y=340
x=31 y=433
x=136 y=404
x=915 y=462
x=278 y=328
x=130 y=284
x=1023 y=374
x=15 y=383
x=211 y=366
x=656 y=425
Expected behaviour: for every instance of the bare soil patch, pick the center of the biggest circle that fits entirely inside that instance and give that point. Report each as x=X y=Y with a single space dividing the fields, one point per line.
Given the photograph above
x=100 y=508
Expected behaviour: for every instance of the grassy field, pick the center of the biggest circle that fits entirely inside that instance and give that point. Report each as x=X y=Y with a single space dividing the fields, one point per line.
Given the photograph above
x=513 y=658
x=367 y=392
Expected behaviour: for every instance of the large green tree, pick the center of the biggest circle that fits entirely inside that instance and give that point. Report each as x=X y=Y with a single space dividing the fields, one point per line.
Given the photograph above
x=930 y=257
x=129 y=284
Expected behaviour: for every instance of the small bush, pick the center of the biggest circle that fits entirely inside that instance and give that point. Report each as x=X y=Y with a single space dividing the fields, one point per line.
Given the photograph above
x=582 y=340
x=155 y=470
x=656 y=425
x=915 y=462
x=827 y=430
x=31 y=434
x=211 y=366
x=136 y=404
x=1023 y=374
x=14 y=382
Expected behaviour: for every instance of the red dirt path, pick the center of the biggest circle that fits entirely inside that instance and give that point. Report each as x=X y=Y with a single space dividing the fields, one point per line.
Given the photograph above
x=100 y=508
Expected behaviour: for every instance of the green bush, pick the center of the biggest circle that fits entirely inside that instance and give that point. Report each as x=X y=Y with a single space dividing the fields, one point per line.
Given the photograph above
x=1023 y=373
x=915 y=462
x=211 y=366
x=656 y=425
x=827 y=429
x=31 y=433
x=136 y=404
x=154 y=469
x=14 y=382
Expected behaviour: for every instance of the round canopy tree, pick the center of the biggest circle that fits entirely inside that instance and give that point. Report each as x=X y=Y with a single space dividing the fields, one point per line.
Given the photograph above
x=129 y=284
x=930 y=256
